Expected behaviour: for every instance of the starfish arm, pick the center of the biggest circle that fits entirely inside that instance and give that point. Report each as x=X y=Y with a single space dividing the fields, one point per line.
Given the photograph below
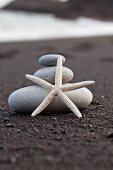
x=75 y=86
x=44 y=103
x=40 y=82
x=58 y=75
x=69 y=104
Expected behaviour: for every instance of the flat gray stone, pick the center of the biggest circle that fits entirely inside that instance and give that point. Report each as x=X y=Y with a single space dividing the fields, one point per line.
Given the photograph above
x=27 y=99
x=50 y=59
x=48 y=74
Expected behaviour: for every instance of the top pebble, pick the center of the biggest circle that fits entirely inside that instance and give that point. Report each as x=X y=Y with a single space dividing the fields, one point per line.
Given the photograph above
x=50 y=59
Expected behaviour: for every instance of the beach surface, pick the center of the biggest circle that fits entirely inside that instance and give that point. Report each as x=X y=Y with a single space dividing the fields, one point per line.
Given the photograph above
x=100 y=9
x=55 y=140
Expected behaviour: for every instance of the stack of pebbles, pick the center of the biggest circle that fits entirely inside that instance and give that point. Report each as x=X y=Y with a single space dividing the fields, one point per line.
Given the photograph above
x=27 y=99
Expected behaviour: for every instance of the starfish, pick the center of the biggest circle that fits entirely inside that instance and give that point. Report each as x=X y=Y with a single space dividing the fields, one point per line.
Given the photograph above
x=58 y=90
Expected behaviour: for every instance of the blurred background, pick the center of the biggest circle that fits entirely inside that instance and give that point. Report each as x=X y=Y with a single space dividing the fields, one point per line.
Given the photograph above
x=22 y=20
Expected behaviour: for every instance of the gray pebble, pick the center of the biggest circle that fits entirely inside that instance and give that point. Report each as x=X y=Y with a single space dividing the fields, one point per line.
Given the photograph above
x=26 y=99
x=50 y=59
x=48 y=74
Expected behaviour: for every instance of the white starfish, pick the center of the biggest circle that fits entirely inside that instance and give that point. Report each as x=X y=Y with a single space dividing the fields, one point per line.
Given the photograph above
x=58 y=89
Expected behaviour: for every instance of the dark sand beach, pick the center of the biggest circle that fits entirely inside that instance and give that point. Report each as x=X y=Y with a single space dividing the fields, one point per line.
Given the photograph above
x=54 y=140
x=100 y=9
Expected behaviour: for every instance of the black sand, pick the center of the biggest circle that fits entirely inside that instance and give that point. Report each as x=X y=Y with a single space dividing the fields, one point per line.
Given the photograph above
x=102 y=9
x=58 y=141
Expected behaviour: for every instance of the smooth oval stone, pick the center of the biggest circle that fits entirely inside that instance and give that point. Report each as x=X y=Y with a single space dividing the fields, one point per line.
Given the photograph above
x=50 y=59
x=48 y=74
x=27 y=99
